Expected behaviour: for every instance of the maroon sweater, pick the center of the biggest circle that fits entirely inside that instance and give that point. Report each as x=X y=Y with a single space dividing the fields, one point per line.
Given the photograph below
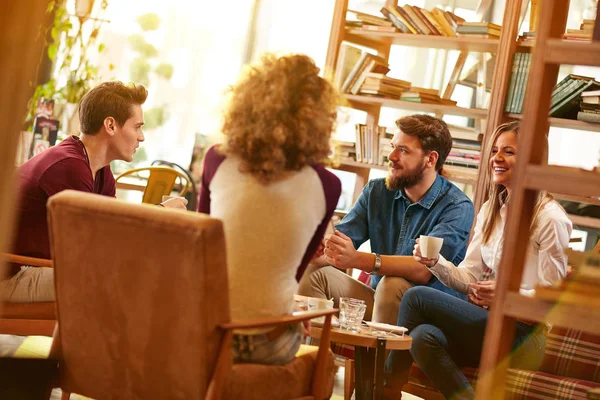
x=61 y=167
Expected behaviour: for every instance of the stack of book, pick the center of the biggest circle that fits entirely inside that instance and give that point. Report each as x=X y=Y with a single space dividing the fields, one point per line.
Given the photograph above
x=566 y=95
x=466 y=147
x=583 y=33
x=590 y=107
x=527 y=37
x=518 y=83
x=377 y=84
x=353 y=66
x=427 y=96
x=344 y=151
x=485 y=30
x=372 y=144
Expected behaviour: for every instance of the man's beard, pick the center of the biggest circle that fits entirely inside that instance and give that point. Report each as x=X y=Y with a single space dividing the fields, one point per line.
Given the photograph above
x=408 y=179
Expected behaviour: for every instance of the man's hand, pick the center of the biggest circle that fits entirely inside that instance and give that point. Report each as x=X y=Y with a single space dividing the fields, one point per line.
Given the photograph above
x=340 y=251
x=175 y=202
x=482 y=293
x=429 y=262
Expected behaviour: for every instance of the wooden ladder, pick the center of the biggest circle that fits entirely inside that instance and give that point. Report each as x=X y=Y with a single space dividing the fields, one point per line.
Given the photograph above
x=532 y=175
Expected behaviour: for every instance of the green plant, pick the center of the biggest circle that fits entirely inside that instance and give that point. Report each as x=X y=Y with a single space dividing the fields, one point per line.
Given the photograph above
x=145 y=64
x=69 y=49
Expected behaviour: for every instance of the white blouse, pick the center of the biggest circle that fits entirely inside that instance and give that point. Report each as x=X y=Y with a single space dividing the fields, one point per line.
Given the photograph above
x=545 y=262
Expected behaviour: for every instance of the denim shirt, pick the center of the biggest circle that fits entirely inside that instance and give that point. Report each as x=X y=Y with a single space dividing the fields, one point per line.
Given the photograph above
x=393 y=223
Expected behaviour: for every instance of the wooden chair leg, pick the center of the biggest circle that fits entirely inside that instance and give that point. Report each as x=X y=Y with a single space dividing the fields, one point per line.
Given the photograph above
x=348 y=378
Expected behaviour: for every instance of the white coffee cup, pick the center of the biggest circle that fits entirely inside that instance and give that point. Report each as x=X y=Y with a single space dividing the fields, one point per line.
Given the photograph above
x=430 y=246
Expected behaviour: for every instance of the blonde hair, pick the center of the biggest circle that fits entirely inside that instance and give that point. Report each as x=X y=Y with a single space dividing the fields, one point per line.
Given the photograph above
x=498 y=195
x=280 y=117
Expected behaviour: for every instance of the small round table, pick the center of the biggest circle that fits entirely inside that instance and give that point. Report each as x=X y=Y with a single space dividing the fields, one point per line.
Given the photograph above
x=369 y=357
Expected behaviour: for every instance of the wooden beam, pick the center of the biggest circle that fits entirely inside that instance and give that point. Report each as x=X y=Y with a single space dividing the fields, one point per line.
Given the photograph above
x=504 y=57
x=500 y=328
x=335 y=37
x=21 y=47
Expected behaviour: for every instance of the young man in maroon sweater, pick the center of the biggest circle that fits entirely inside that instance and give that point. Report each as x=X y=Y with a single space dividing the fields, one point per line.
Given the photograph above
x=111 y=121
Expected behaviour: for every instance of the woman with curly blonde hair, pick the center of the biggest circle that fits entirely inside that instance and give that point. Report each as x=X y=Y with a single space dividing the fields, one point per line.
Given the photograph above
x=268 y=185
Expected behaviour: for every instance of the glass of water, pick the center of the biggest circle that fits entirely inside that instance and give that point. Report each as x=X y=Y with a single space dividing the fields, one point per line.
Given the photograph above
x=352 y=312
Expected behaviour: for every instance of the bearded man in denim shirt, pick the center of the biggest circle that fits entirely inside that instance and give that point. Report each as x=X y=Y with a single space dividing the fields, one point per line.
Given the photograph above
x=392 y=212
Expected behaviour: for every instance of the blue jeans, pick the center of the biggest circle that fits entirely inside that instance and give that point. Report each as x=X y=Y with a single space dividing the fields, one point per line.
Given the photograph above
x=448 y=334
x=260 y=350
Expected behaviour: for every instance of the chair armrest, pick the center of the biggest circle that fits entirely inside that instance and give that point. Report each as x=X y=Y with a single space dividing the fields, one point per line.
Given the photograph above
x=278 y=320
x=24 y=260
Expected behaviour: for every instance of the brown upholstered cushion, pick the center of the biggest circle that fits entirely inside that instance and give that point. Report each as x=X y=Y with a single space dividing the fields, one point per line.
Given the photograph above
x=269 y=382
x=140 y=292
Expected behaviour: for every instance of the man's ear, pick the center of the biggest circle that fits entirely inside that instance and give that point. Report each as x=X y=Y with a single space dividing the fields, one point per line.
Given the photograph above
x=110 y=124
x=432 y=158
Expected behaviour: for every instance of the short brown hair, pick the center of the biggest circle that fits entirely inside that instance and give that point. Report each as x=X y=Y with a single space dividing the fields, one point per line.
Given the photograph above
x=280 y=117
x=109 y=99
x=433 y=134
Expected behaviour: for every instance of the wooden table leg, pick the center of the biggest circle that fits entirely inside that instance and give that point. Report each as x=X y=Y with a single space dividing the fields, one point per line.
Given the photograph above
x=379 y=366
x=364 y=365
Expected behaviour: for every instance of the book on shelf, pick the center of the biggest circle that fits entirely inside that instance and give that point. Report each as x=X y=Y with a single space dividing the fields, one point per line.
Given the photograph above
x=370 y=19
x=419 y=12
x=348 y=56
x=434 y=21
x=361 y=64
x=377 y=28
x=395 y=18
x=373 y=65
x=371 y=143
x=414 y=19
x=465 y=133
x=593 y=117
x=439 y=15
x=590 y=97
x=518 y=83
x=566 y=103
x=466 y=144
x=478 y=36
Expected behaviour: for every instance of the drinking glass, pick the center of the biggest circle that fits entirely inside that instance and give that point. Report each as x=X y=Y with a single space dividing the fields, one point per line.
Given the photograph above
x=352 y=312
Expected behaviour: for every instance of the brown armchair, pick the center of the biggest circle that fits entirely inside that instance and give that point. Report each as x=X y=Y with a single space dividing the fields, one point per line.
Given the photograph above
x=27 y=318
x=143 y=309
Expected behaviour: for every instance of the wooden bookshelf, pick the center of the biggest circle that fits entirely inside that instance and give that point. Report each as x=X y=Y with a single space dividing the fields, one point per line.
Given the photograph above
x=359 y=102
x=566 y=123
x=568 y=180
x=574 y=310
x=578 y=199
x=581 y=314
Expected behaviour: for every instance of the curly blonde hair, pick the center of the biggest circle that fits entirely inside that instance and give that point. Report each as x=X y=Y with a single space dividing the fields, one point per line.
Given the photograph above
x=280 y=117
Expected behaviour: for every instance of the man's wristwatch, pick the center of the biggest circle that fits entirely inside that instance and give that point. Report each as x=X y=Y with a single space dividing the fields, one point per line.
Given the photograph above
x=376 y=266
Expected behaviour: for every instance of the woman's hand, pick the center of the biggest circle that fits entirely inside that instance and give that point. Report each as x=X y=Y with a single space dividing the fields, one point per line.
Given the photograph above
x=482 y=293
x=340 y=251
x=429 y=262
x=178 y=203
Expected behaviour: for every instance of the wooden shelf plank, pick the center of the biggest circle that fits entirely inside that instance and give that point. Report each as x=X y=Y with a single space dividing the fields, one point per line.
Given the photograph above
x=356 y=101
x=462 y=43
x=560 y=51
x=554 y=178
x=577 y=316
x=578 y=199
x=584 y=221
x=566 y=123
